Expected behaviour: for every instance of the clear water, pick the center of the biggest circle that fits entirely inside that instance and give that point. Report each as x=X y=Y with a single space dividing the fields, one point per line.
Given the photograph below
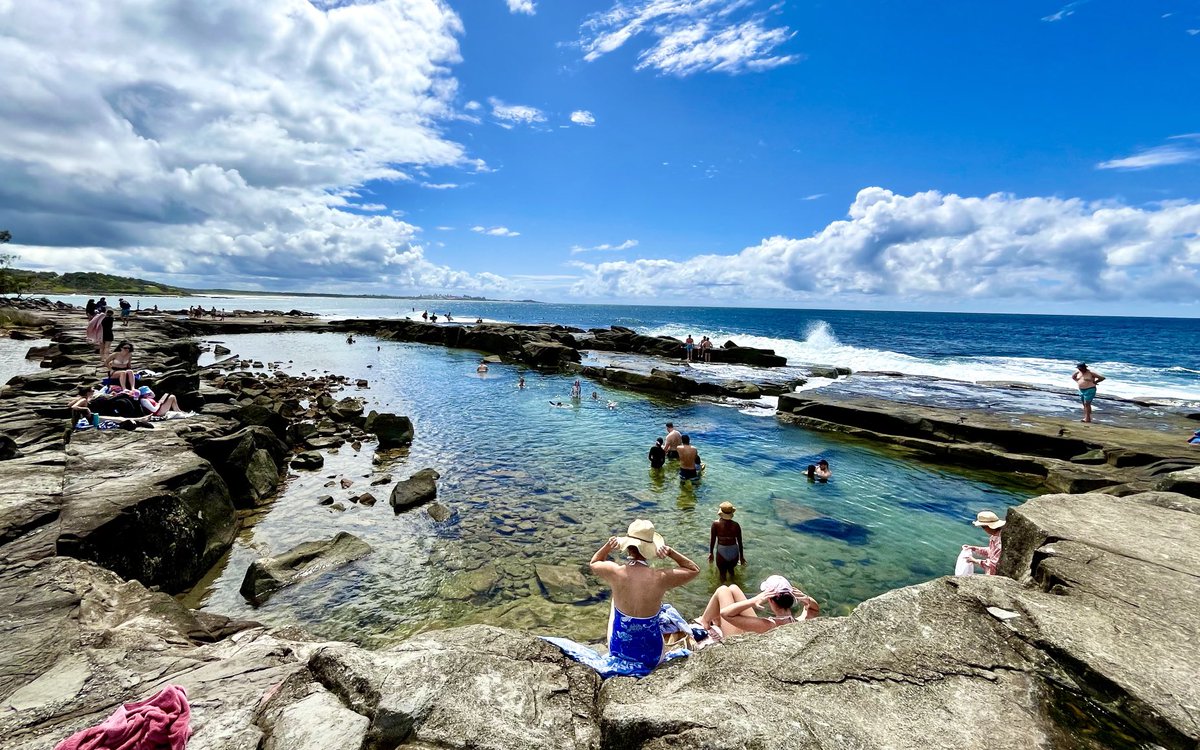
x=533 y=484
x=1153 y=359
x=12 y=358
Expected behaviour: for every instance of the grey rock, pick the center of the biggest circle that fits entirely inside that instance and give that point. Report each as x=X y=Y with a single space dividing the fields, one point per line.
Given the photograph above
x=418 y=489
x=1186 y=482
x=267 y=575
x=438 y=512
x=221 y=351
x=563 y=584
x=393 y=431
x=308 y=460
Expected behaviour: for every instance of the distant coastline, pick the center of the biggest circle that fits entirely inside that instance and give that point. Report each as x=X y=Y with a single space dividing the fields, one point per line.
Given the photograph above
x=47 y=282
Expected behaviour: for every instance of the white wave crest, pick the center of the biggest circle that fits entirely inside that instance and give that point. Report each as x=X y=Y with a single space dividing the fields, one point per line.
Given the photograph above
x=820 y=346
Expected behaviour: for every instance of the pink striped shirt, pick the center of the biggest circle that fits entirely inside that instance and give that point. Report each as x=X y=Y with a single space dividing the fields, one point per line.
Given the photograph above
x=992 y=561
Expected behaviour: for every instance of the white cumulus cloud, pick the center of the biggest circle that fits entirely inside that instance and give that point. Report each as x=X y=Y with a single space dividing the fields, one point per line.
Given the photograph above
x=583 y=117
x=495 y=231
x=522 y=6
x=515 y=114
x=691 y=36
x=936 y=246
x=224 y=140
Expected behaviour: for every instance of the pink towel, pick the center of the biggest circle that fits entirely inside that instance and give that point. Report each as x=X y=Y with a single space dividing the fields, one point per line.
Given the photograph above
x=94 y=333
x=157 y=723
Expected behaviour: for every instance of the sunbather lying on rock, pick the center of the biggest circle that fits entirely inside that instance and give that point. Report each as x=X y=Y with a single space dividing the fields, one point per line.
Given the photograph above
x=732 y=612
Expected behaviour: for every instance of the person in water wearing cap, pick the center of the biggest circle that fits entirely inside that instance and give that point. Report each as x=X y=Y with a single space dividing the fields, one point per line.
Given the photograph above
x=635 y=636
x=725 y=540
x=991 y=523
x=1086 y=380
x=731 y=612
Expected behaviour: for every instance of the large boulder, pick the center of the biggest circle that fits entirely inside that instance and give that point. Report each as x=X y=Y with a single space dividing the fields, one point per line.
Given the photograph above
x=249 y=460
x=267 y=575
x=418 y=489
x=1186 y=482
x=392 y=430
x=476 y=687
x=549 y=354
x=144 y=506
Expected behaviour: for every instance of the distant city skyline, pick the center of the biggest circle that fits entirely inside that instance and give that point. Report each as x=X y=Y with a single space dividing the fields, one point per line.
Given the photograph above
x=1006 y=157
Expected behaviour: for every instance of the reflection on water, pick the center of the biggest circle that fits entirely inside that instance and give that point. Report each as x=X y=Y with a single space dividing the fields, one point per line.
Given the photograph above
x=12 y=358
x=533 y=484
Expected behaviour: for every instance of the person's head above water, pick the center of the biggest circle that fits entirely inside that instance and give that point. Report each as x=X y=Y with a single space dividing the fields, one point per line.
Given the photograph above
x=670 y=425
x=685 y=439
x=658 y=441
x=641 y=541
x=812 y=469
x=823 y=464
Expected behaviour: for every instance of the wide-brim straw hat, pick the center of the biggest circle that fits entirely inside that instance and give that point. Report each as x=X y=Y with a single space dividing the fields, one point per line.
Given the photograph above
x=642 y=535
x=726 y=511
x=988 y=519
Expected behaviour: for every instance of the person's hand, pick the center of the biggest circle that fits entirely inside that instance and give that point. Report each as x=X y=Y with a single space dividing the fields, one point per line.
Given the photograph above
x=611 y=544
x=663 y=551
x=743 y=561
x=710 y=557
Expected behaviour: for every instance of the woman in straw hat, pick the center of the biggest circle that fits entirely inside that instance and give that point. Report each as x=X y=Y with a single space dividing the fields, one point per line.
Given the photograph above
x=731 y=612
x=991 y=523
x=725 y=539
x=635 y=637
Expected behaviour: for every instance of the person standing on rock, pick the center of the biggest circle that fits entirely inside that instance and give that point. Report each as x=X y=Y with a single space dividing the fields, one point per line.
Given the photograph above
x=671 y=444
x=106 y=336
x=89 y=310
x=1086 y=380
x=991 y=523
x=688 y=344
x=635 y=636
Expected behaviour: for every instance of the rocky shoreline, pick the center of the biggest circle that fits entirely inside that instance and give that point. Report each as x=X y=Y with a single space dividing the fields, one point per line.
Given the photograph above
x=1085 y=641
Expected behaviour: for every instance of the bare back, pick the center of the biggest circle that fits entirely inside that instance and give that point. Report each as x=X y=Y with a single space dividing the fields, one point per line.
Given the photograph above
x=687 y=456
x=638 y=589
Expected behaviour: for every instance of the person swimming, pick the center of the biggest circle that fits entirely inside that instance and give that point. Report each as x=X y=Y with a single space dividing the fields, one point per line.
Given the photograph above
x=521 y=383
x=577 y=390
x=482 y=367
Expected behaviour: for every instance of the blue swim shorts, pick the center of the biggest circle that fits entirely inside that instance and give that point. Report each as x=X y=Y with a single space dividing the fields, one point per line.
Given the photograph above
x=1086 y=395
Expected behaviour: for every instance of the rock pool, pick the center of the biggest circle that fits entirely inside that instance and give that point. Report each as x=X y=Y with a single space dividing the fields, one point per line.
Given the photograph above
x=533 y=485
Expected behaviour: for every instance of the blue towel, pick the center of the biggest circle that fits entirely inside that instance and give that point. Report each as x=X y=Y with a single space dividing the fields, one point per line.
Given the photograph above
x=635 y=645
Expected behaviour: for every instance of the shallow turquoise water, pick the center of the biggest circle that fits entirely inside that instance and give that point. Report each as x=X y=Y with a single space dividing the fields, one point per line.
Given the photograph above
x=533 y=484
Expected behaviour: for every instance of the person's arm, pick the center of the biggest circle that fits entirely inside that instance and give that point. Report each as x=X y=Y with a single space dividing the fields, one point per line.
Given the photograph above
x=739 y=608
x=684 y=571
x=1099 y=378
x=741 y=545
x=600 y=564
x=712 y=539
x=811 y=608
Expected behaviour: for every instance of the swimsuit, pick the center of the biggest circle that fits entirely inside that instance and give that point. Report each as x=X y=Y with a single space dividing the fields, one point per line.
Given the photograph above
x=1087 y=394
x=728 y=553
x=689 y=473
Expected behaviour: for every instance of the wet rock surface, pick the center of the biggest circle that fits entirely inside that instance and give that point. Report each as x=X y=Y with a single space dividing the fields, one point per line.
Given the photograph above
x=418 y=489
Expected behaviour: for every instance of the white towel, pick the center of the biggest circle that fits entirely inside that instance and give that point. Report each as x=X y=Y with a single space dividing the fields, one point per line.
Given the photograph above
x=964 y=566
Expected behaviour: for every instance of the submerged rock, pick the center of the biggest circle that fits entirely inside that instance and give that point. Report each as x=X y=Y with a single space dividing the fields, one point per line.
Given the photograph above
x=267 y=575
x=438 y=512
x=418 y=489
x=562 y=584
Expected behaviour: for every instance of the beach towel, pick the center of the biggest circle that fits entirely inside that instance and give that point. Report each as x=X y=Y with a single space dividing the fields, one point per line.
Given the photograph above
x=1195 y=438
x=964 y=566
x=157 y=723
x=94 y=334
x=635 y=646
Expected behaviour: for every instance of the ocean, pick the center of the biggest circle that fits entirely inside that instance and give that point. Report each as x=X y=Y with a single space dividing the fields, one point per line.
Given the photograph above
x=1150 y=359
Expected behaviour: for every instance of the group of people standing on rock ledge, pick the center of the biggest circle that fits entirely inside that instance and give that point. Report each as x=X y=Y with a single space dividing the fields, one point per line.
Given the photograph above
x=643 y=631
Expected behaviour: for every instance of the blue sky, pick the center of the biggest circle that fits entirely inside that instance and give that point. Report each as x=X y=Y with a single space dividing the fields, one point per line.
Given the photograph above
x=1024 y=156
